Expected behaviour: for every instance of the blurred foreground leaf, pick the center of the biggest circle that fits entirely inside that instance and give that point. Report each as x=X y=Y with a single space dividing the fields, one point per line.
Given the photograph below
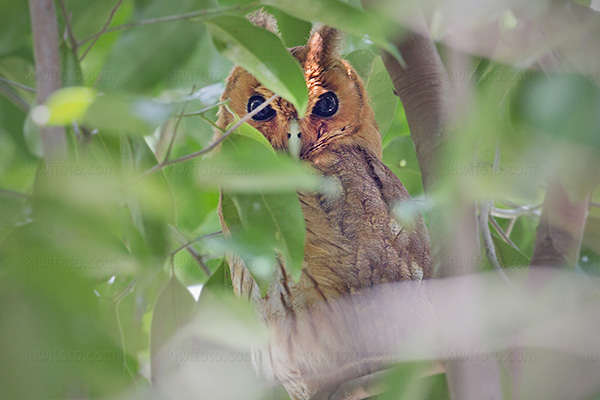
x=262 y=54
x=173 y=309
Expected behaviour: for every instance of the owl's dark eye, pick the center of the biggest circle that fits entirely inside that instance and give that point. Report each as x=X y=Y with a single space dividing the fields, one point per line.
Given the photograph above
x=327 y=105
x=262 y=115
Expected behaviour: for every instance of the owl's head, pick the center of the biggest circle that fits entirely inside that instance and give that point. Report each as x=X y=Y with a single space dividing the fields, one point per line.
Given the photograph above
x=338 y=110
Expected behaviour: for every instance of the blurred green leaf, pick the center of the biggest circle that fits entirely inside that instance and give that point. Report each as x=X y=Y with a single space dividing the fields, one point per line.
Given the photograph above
x=405 y=382
x=114 y=113
x=14 y=19
x=262 y=54
x=71 y=73
x=68 y=104
x=246 y=165
x=340 y=15
x=142 y=57
x=172 y=310
x=561 y=105
x=33 y=136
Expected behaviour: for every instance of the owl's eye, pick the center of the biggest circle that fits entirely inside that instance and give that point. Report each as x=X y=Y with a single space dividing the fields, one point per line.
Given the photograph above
x=327 y=105
x=262 y=115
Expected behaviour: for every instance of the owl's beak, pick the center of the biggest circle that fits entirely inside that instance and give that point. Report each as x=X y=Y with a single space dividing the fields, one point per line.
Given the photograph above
x=294 y=139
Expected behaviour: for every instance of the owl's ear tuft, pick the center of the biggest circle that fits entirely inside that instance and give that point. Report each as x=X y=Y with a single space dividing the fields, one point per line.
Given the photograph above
x=264 y=20
x=324 y=44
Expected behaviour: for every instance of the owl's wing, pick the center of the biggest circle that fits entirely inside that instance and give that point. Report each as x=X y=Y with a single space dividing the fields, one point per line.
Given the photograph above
x=366 y=212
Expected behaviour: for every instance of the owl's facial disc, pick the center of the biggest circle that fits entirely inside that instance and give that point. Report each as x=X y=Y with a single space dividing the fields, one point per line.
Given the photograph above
x=294 y=139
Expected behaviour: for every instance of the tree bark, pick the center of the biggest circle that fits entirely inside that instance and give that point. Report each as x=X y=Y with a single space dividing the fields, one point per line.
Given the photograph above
x=47 y=68
x=426 y=94
x=561 y=227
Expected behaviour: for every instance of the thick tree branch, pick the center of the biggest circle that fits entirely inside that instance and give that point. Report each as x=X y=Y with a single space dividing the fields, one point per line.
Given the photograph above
x=426 y=94
x=47 y=67
x=424 y=89
x=561 y=227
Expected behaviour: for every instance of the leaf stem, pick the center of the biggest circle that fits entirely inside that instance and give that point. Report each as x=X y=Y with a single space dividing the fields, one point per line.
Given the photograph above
x=170 y=18
x=102 y=31
x=17 y=85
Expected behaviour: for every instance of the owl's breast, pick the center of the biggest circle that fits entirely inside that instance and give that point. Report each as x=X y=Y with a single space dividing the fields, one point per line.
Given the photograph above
x=356 y=237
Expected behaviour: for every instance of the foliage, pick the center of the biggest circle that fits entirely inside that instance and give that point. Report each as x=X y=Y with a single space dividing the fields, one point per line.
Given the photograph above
x=96 y=252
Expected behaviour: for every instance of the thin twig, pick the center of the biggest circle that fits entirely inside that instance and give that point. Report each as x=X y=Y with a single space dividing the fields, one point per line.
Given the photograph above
x=208 y=148
x=169 y=18
x=13 y=195
x=503 y=234
x=188 y=246
x=10 y=94
x=17 y=85
x=211 y=123
x=516 y=212
x=204 y=110
x=484 y=227
x=102 y=31
x=172 y=141
x=592 y=204
x=227 y=133
x=70 y=34
x=488 y=243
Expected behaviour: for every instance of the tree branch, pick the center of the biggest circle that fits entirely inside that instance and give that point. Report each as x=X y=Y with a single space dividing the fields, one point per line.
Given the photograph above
x=166 y=162
x=102 y=31
x=562 y=222
x=169 y=18
x=47 y=66
x=17 y=85
x=72 y=40
x=426 y=94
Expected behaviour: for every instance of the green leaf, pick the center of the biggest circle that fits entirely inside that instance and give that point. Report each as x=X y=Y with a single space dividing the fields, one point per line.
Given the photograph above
x=248 y=130
x=144 y=56
x=262 y=226
x=262 y=54
x=405 y=382
x=71 y=74
x=362 y=61
x=69 y=104
x=343 y=16
x=15 y=22
x=220 y=279
x=293 y=31
x=246 y=165
x=400 y=156
x=115 y=113
x=172 y=310
x=508 y=256
x=564 y=106
x=381 y=92
x=33 y=137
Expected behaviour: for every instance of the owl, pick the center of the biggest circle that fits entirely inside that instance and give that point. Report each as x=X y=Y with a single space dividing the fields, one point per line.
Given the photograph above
x=353 y=238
